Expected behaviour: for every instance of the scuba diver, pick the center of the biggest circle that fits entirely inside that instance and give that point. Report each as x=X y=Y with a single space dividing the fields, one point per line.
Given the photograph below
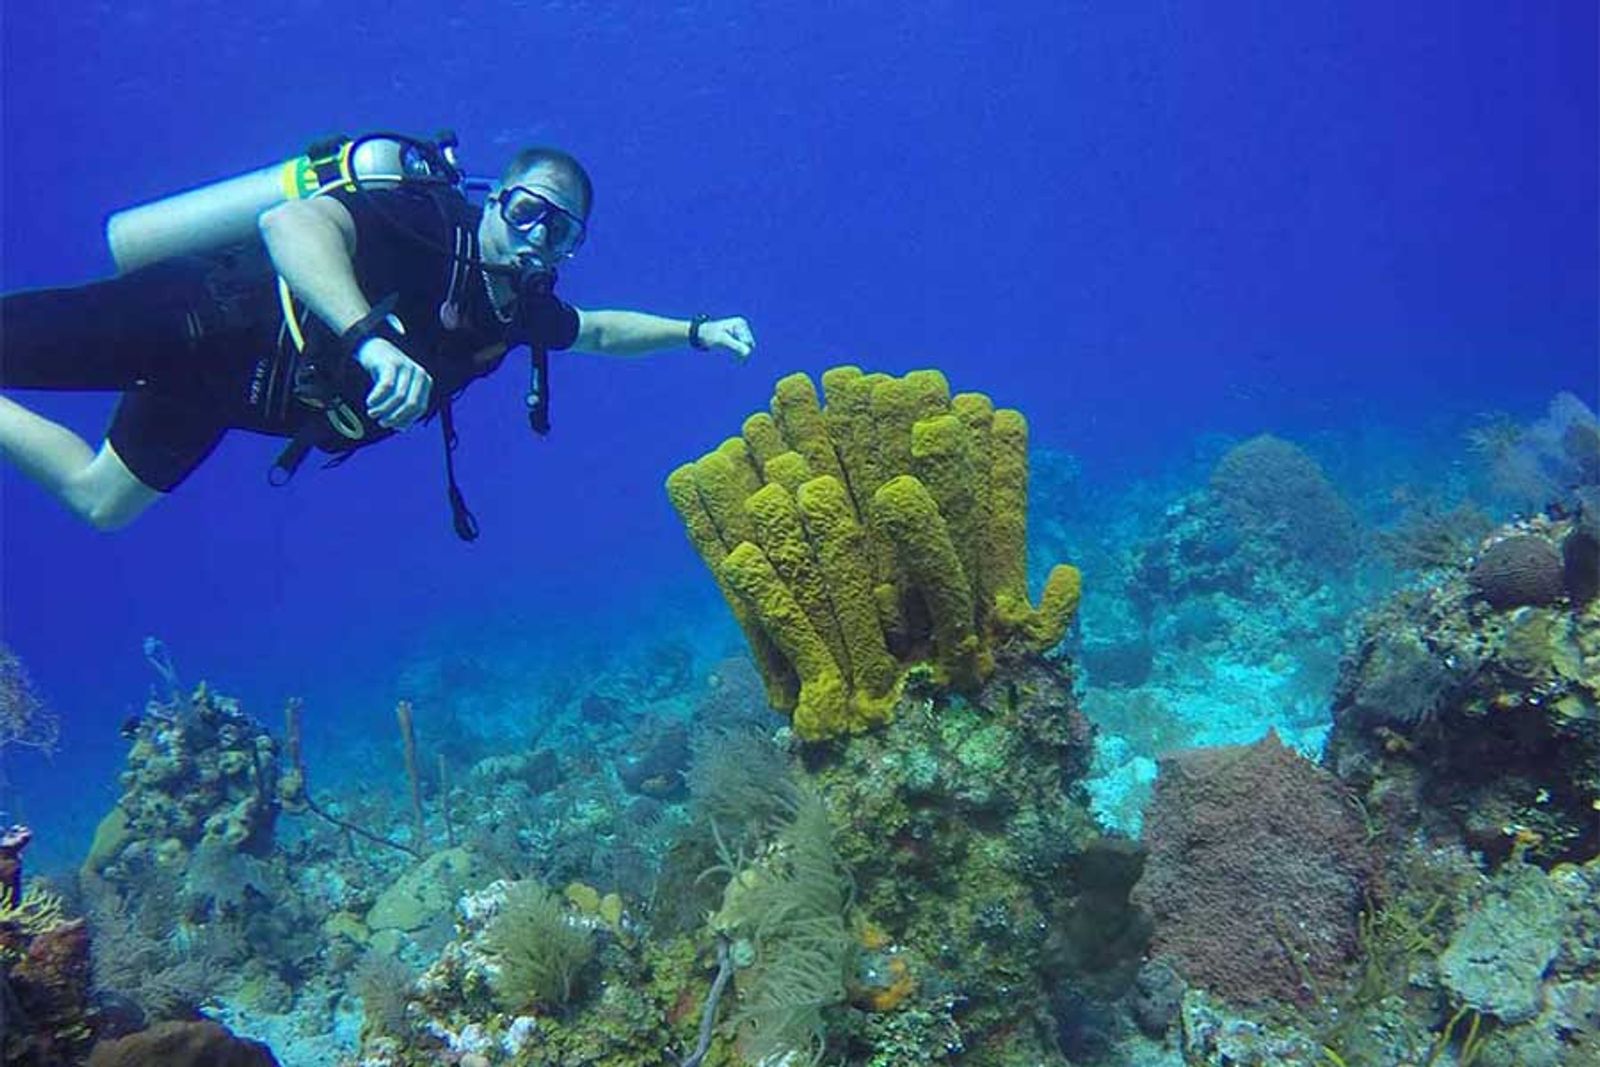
x=333 y=300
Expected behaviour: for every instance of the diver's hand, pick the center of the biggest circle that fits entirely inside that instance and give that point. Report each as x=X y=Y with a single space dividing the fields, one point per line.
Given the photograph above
x=400 y=387
x=732 y=335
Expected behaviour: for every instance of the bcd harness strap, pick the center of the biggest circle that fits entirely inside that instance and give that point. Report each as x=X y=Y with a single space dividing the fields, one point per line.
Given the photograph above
x=314 y=384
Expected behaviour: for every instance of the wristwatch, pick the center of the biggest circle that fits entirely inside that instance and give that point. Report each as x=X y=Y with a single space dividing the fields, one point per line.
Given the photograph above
x=695 y=340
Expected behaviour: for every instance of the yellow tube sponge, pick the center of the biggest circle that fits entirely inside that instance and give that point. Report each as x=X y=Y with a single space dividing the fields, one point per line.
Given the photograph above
x=1007 y=553
x=849 y=419
x=777 y=676
x=854 y=539
x=839 y=543
x=976 y=412
x=764 y=438
x=1006 y=546
x=1046 y=626
x=782 y=539
x=746 y=471
x=788 y=469
x=820 y=711
x=939 y=459
x=897 y=403
x=703 y=532
x=723 y=485
x=799 y=416
x=903 y=507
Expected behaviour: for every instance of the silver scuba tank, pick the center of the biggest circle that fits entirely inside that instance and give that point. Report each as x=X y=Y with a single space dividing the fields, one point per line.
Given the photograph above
x=225 y=212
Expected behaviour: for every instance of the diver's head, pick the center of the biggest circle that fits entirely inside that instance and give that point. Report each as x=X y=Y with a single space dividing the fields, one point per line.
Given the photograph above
x=537 y=216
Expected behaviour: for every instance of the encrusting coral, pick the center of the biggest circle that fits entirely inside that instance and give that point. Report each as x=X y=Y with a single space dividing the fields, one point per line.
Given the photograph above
x=854 y=540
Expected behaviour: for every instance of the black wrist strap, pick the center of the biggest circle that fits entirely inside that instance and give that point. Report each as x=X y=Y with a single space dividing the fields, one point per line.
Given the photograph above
x=695 y=340
x=374 y=323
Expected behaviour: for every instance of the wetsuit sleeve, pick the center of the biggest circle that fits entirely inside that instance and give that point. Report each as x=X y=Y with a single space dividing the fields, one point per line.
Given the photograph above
x=552 y=322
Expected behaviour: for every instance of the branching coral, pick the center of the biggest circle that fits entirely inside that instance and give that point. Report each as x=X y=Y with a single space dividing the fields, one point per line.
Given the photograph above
x=25 y=720
x=855 y=539
x=37 y=911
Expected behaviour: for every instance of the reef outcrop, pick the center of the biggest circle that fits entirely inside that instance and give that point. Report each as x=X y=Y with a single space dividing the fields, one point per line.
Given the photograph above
x=1469 y=706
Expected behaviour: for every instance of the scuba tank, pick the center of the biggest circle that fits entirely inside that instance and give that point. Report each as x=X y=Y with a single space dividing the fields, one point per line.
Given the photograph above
x=225 y=212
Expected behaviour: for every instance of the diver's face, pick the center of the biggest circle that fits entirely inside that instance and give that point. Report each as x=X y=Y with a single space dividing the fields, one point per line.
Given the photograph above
x=533 y=219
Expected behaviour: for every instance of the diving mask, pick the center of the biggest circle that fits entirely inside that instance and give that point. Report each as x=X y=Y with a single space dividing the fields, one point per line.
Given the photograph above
x=522 y=210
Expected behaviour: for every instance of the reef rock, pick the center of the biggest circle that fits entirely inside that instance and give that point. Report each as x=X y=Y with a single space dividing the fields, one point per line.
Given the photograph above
x=1498 y=958
x=426 y=892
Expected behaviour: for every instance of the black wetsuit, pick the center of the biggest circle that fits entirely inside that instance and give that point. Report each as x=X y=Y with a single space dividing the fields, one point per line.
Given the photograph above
x=197 y=345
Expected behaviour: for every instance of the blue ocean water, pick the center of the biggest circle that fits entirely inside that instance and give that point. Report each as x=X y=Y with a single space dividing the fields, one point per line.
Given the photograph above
x=1153 y=227
x=1141 y=224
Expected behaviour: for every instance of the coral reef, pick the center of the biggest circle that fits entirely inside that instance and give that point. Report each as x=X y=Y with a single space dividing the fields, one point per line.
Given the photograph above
x=853 y=540
x=1428 y=535
x=785 y=916
x=1461 y=967
x=538 y=949
x=1258 y=865
x=1469 y=707
x=1268 y=516
x=919 y=892
x=978 y=867
x=1221 y=612
x=199 y=772
x=1524 y=961
x=1542 y=463
x=46 y=1014
x=189 y=893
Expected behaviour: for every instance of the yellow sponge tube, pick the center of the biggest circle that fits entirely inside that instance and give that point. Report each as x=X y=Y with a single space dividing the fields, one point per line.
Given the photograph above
x=777 y=676
x=922 y=544
x=820 y=711
x=839 y=543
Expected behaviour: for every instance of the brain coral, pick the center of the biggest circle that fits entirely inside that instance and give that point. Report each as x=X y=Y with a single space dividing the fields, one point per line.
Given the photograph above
x=1276 y=493
x=1518 y=570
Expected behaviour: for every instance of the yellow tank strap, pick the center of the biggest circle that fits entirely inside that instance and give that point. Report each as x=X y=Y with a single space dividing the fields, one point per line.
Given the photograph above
x=290 y=320
x=298 y=178
x=345 y=169
x=289 y=178
x=340 y=415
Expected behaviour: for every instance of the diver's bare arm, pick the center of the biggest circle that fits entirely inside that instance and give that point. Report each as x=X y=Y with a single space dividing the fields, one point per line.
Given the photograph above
x=628 y=333
x=312 y=244
x=635 y=333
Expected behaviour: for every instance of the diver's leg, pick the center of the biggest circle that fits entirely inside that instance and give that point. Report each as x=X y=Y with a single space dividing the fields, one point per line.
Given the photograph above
x=97 y=487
